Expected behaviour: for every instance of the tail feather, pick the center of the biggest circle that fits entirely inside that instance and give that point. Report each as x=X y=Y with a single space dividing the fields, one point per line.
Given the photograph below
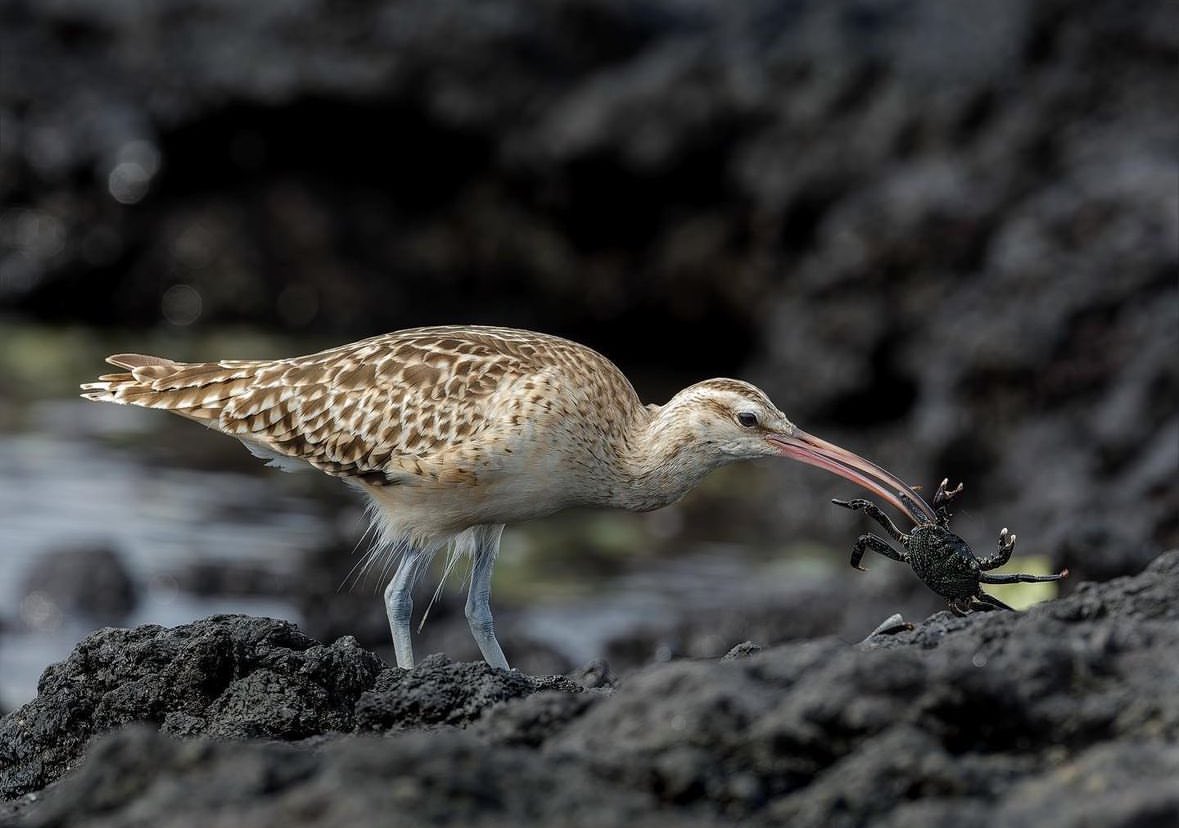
x=198 y=389
x=194 y=374
x=140 y=361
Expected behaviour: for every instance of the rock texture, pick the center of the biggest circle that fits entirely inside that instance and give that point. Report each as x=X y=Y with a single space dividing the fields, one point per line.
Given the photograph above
x=1058 y=716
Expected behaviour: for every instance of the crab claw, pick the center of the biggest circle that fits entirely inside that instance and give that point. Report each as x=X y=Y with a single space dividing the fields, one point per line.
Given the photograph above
x=1006 y=541
x=944 y=494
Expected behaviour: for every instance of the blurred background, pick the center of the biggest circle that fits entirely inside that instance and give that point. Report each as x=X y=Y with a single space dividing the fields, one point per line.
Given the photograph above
x=941 y=234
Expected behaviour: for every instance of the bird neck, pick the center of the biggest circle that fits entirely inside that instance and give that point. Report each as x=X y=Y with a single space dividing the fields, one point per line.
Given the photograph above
x=660 y=460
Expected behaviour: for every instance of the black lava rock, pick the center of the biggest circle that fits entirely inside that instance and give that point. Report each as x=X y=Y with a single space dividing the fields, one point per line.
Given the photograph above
x=439 y=692
x=1057 y=716
x=227 y=676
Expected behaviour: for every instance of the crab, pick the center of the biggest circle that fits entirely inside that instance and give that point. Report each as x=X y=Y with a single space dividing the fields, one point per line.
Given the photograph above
x=942 y=560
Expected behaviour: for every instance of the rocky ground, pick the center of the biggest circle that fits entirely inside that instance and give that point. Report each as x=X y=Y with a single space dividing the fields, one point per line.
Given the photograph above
x=1061 y=715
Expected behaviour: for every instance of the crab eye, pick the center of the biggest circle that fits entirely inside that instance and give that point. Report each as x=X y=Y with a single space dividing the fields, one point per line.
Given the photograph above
x=747 y=419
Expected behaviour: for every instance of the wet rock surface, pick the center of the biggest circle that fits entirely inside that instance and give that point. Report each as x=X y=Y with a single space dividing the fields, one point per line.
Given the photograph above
x=1060 y=715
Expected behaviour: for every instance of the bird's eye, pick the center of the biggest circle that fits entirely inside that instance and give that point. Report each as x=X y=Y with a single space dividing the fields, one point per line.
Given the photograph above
x=747 y=418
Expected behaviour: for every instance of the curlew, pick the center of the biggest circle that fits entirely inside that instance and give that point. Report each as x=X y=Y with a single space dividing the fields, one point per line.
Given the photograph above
x=453 y=432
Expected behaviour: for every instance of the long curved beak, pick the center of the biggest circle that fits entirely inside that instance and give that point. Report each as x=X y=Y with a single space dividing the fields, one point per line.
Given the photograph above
x=811 y=450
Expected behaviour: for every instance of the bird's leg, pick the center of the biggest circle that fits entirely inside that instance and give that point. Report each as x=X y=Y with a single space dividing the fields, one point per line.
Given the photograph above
x=399 y=604
x=478 y=609
x=873 y=511
x=865 y=542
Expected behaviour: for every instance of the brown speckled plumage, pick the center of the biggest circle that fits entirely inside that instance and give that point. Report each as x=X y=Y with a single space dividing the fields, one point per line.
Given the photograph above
x=454 y=431
x=422 y=405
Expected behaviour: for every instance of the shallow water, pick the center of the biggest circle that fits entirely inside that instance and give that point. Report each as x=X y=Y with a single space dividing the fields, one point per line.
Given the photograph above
x=58 y=492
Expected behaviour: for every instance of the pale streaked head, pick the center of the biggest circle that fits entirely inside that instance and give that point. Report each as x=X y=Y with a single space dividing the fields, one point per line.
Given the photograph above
x=728 y=418
x=734 y=420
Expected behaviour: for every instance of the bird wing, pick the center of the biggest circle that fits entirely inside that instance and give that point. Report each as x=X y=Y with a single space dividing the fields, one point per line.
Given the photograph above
x=396 y=408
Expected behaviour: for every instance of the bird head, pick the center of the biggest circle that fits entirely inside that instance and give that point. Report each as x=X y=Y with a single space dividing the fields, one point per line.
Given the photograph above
x=733 y=420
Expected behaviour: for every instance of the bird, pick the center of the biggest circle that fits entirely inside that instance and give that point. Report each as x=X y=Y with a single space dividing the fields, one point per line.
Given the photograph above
x=452 y=432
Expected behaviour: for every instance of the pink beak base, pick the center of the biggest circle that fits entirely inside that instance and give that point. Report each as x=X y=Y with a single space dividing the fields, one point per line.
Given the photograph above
x=815 y=452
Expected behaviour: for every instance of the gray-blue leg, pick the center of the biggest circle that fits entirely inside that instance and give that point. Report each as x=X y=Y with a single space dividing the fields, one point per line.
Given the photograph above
x=484 y=549
x=399 y=604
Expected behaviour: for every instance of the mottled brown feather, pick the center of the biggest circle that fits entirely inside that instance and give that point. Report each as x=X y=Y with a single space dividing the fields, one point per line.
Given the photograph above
x=371 y=408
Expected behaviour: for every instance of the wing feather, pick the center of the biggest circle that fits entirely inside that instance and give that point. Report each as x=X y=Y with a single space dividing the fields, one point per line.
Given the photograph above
x=370 y=409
